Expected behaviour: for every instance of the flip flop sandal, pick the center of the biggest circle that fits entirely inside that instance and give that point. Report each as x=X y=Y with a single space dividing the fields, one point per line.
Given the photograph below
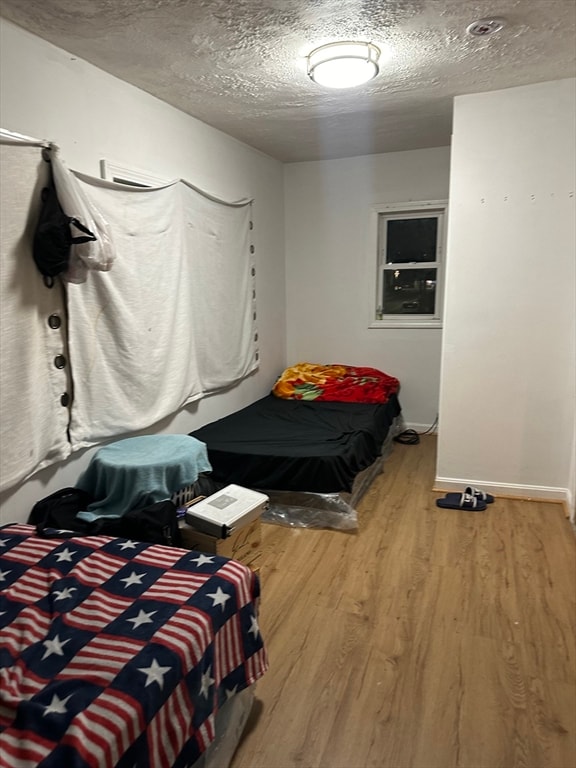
x=480 y=495
x=461 y=501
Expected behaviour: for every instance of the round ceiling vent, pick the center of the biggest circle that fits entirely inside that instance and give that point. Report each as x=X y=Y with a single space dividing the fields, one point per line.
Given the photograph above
x=484 y=27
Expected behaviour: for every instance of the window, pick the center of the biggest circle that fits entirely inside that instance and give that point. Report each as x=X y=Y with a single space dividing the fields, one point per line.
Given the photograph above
x=133 y=177
x=410 y=249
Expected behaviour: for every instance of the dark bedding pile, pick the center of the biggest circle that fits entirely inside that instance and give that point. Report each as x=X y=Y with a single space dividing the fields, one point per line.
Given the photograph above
x=297 y=445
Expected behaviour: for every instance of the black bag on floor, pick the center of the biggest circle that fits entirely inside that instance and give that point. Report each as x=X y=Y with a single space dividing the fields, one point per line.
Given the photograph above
x=157 y=523
x=55 y=515
x=59 y=510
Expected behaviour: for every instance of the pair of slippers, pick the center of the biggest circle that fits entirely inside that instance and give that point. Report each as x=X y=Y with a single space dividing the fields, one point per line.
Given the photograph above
x=472 y=499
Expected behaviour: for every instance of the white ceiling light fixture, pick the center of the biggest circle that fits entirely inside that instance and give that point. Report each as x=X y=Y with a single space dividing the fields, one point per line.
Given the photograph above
x=343 y=64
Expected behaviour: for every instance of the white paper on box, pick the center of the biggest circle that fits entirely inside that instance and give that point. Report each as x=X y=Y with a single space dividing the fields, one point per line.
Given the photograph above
x=227 y=510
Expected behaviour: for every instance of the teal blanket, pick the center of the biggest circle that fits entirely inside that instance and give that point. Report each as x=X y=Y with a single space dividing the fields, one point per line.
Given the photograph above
x=139 y=471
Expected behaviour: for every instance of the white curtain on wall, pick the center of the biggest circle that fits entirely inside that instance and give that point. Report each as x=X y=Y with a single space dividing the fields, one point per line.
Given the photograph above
x=33 y=418
x=174 y=318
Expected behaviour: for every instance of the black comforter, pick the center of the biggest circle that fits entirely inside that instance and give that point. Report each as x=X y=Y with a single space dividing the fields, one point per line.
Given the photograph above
x=296 y=445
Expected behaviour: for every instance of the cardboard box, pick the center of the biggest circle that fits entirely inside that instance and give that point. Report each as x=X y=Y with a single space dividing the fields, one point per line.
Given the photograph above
x=245 y=544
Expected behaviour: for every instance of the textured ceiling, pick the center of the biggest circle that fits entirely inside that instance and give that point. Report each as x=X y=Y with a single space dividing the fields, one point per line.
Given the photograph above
x=239 y=65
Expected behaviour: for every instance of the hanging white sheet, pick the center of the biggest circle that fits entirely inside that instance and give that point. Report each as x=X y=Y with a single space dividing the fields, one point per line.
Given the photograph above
x=33 y=411
x=173 y=320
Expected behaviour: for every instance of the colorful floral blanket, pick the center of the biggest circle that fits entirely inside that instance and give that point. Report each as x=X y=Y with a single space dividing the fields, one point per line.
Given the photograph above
x=342 y=383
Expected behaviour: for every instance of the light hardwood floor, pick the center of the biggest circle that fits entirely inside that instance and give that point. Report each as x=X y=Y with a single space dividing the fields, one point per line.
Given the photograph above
x=429 y=639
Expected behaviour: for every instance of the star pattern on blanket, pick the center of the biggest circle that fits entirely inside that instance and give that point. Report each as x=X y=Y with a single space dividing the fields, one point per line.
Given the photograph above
x=219 y=598
x=54 y=646
x=134 y=578
x=3 y=575
x=64 y=594
x=254 y=628
x=3 y=542
x=154 y=673
x=142 y=618
x=65 y=555
x=128 y=544
x=207 y=681
x=202 y=559
x=57 y=706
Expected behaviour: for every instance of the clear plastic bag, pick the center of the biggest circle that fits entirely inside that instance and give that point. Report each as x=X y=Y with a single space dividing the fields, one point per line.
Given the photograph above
x=98 y=254
x=297 y=509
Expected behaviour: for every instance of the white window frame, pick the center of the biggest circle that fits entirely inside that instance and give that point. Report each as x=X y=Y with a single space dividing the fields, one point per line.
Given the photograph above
x=122 y=174
x=413 y=209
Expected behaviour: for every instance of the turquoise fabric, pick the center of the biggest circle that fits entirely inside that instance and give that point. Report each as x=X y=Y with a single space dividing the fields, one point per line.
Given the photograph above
x=139 y=471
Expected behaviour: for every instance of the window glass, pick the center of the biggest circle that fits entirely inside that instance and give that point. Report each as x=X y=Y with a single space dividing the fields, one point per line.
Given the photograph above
x=411 y=240
x=409 y=292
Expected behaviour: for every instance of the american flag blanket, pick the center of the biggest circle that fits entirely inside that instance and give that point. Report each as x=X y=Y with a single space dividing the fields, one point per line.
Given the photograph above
x=118 y=653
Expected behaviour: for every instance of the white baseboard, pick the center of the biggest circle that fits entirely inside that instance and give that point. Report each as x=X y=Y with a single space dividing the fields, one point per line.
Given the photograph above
x=511 y=490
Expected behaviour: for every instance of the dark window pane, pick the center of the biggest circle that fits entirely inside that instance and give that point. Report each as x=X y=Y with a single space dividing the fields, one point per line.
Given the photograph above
x=411 y=240
x=409 y=292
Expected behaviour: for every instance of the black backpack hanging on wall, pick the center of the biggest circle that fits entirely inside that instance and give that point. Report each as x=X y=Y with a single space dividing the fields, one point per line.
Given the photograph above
x=52 y=237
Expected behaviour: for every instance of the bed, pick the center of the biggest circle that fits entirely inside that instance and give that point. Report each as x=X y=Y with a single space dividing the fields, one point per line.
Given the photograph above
x=120 y=653
x=313 y=453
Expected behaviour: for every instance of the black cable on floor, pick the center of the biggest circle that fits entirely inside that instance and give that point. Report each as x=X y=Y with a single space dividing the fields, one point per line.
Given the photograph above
x=411 y=437
x=408 y=437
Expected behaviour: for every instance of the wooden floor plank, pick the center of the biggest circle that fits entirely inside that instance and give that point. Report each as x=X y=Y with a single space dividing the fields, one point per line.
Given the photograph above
x=430 y=638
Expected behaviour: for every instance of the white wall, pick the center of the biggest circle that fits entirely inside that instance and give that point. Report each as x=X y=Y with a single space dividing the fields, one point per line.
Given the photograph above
x=47 y=93
x=508 y=363
x=329 y=271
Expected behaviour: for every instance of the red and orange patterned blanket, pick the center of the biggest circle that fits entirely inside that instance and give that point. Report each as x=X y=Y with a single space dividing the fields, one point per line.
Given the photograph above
x=342 y=383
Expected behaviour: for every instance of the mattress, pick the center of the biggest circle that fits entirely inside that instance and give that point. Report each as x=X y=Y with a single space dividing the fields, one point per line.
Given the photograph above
x=297 y=445
x=119 y=653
